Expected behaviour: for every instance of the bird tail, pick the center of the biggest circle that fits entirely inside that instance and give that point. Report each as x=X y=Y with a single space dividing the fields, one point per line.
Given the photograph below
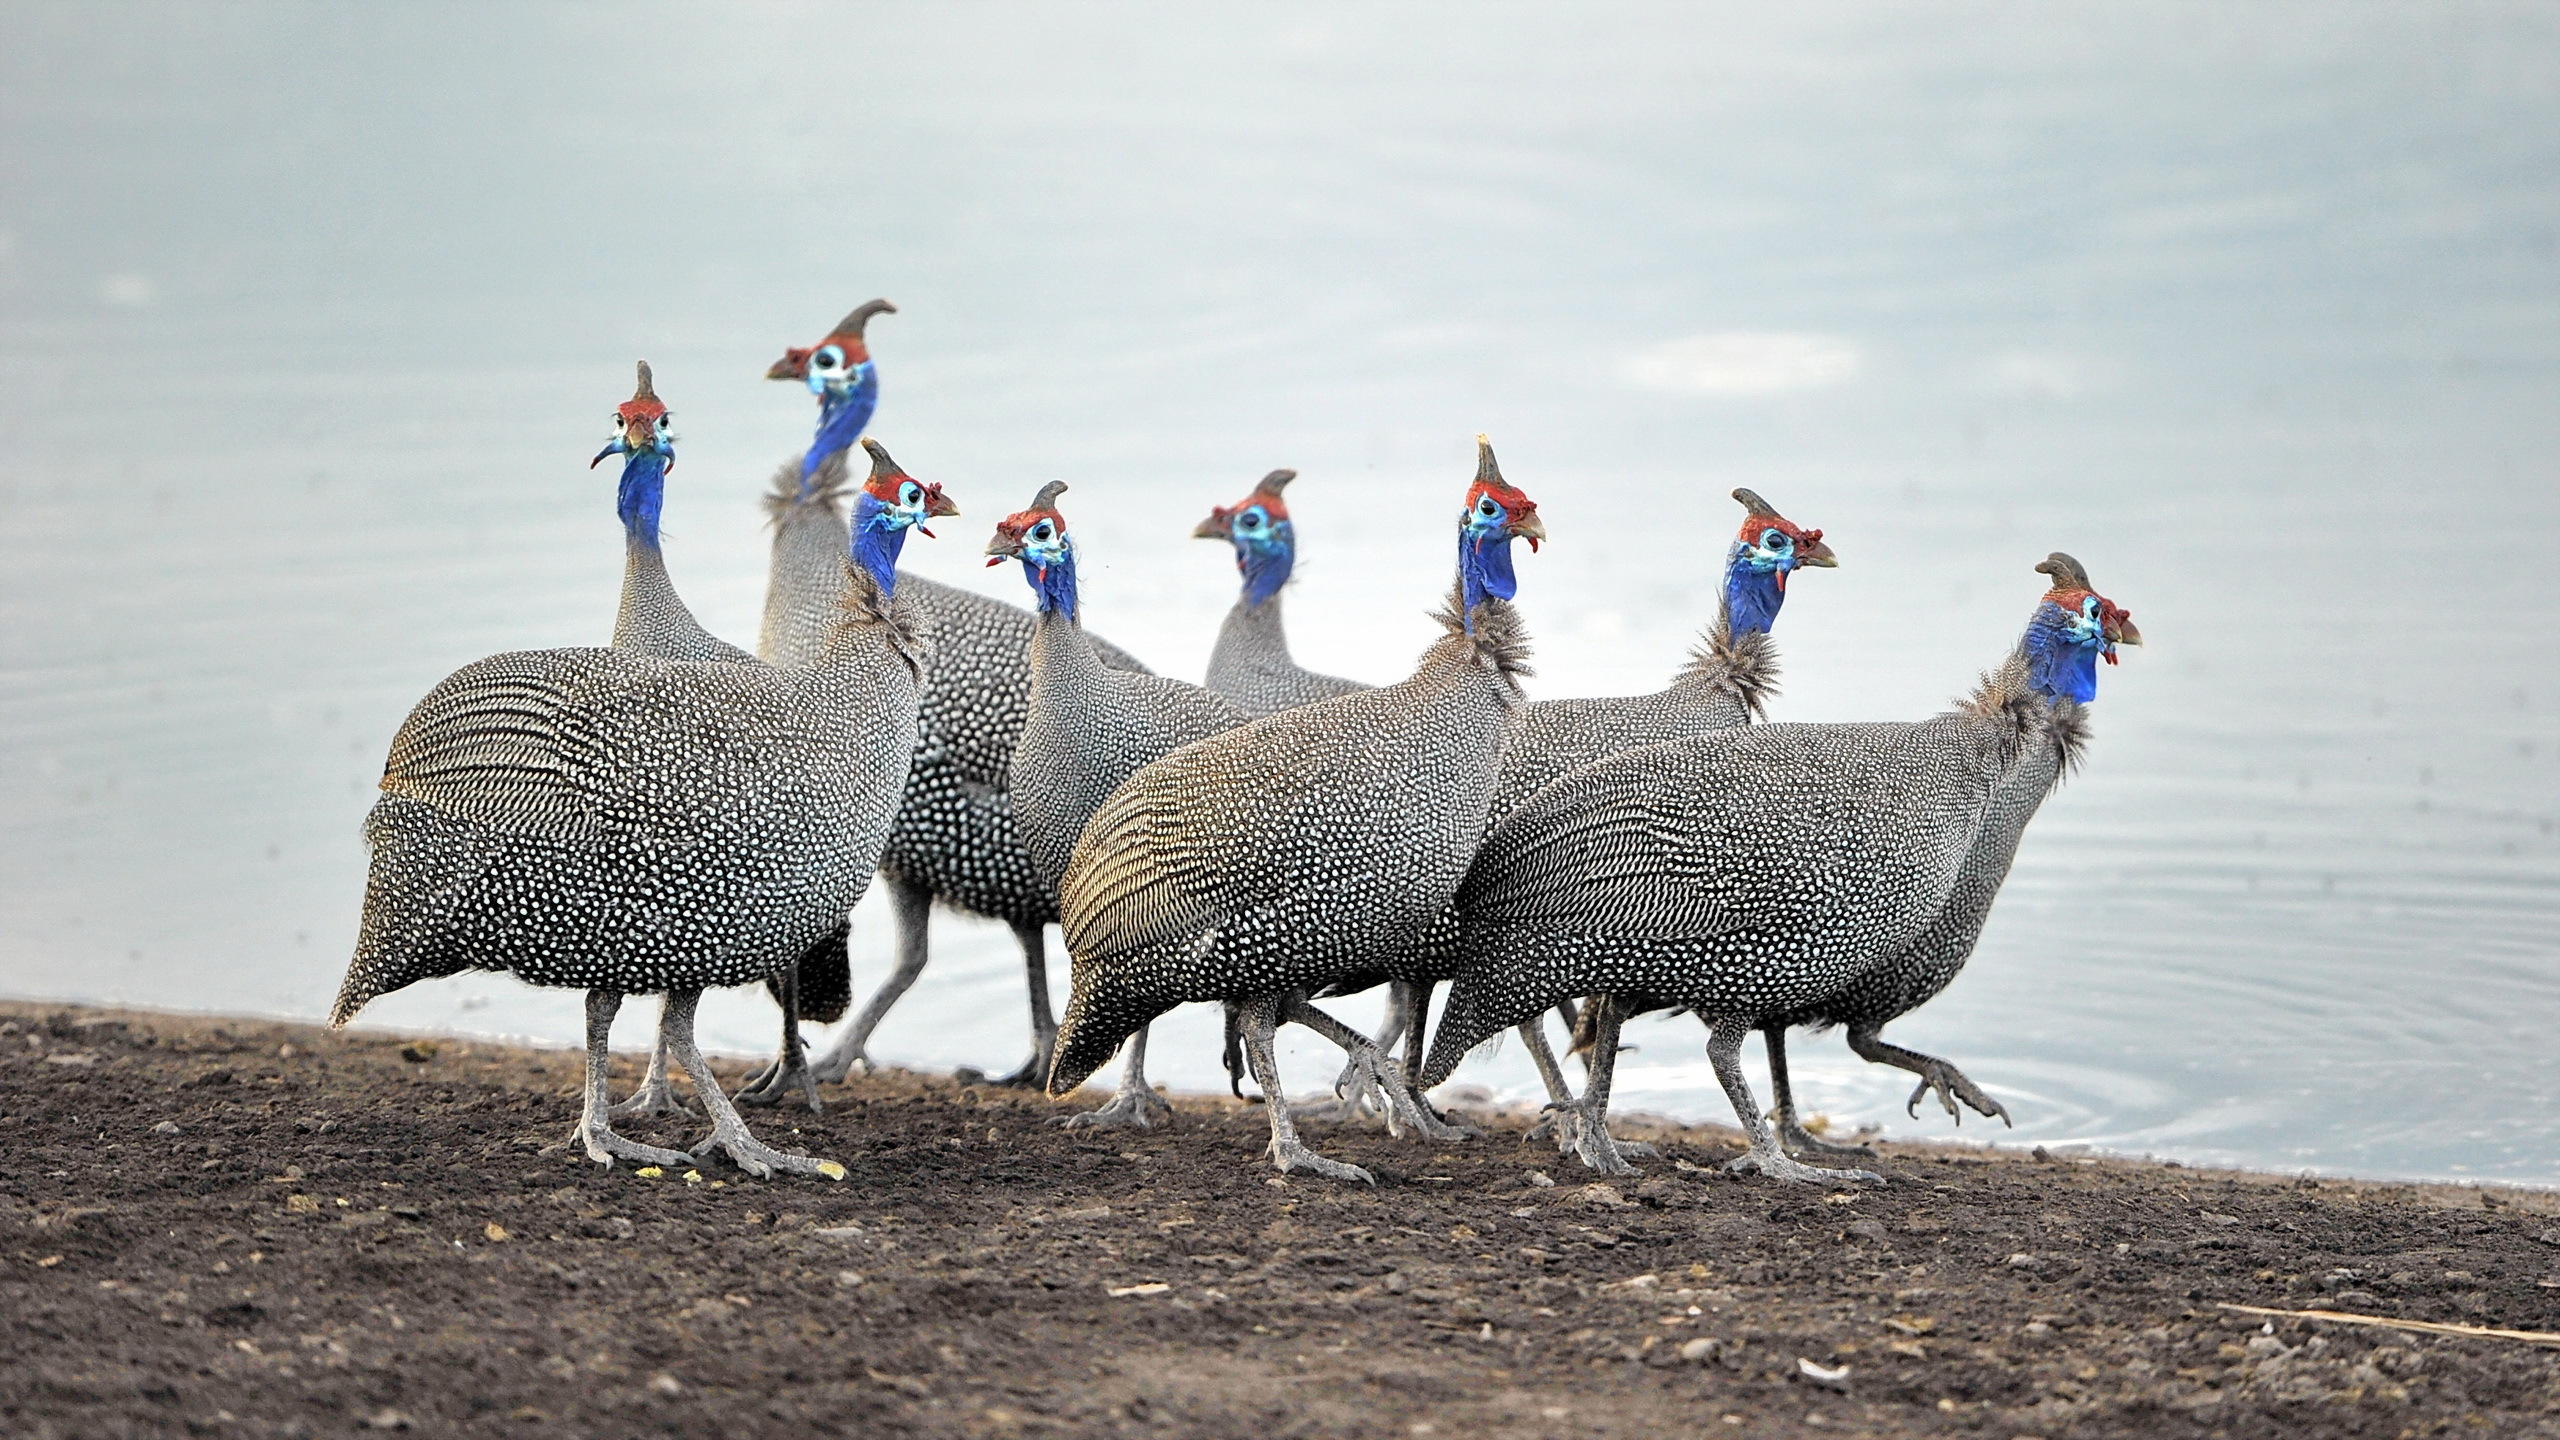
x=1478 y=1009
x=1099 y=1016
x=421 y=865
x=825 y=974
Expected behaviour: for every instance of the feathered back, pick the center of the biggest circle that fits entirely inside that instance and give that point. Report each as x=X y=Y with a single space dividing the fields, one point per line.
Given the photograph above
x=1748 y=668
x=1500 y=640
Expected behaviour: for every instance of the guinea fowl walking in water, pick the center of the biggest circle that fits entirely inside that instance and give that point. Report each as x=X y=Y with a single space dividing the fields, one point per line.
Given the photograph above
x=1259 y=864
x=1752 y=873
x=954 y=839
x=1251 y=664
x=1088 y=729
x=1727 y=682
x=626 y=824
x=1916 y=972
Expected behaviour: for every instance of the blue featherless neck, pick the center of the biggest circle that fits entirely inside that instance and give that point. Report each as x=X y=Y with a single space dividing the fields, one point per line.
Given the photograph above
x=1752 y=593
x=1484 y=569
x=842 y=419
x=644 y=490
x=1266 y=563
x=877 y=537
x=1053 y=582
x=2062 y=655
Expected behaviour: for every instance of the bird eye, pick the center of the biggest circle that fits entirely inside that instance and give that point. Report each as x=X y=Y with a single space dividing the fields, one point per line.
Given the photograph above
x=1486 y=508
x=1776 y=540
x=910 y=493
x=1250 y=520
x=828 y=358
x=1040 y=531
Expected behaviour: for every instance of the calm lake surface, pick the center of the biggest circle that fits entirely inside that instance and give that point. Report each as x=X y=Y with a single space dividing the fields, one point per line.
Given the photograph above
x=310 y=318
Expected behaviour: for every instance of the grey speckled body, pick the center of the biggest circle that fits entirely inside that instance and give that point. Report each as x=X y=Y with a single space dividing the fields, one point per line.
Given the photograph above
x=617 y=821
x=954 y=838
x=1296 y=849
x=1251 y=664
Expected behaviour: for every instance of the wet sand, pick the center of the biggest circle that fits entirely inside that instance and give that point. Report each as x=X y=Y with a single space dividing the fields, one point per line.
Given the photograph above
x=240 y=1228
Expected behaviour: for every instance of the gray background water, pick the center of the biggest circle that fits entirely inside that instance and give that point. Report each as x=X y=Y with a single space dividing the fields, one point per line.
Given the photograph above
x=310 y=317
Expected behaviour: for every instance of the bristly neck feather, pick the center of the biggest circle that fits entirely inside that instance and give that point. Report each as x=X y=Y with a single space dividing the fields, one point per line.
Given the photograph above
x=1053 y=582
x=841 y=420
x=1266 y=566
x=1751 y=595
x=1484 y=571
x=876 y=541
x=644 y=490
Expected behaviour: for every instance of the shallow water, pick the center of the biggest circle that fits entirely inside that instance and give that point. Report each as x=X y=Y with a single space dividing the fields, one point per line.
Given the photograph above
x=310 y=318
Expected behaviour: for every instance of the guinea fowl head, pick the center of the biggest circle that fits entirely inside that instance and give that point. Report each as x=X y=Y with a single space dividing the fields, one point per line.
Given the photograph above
x=644 y=432
x=1496 y=514
x=889 y=503
x=1768 y=549
x=1258 y=527
x=837 y=362
x=1038 y=538
x=2074 y=627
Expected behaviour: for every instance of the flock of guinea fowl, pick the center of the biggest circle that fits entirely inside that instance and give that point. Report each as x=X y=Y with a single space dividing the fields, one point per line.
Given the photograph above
x=673 y=813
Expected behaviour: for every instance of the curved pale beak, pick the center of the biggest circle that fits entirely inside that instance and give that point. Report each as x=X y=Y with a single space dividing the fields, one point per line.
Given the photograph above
x=1006 y=546
x=1530 y=528
x=1217 y=527
x=794 y=365
x=1817 y=553
x=2121 y=632
x=935 y=503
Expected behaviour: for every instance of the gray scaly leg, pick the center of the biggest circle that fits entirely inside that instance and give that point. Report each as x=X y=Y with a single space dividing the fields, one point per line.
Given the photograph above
x=1791 y=1133
x=1582 y=1126
x=1355 y=1090
x=655 y=1097
x=788 y=1071
x=1935 y=1074
x=913 y=905
x=1372 y=1067
x=1259 y=1017
x=595 y=1131
x=1557 y=1123
x=1034 y=1072
x=1724 y=1050
x=1135 y=1105
x=728 y=1132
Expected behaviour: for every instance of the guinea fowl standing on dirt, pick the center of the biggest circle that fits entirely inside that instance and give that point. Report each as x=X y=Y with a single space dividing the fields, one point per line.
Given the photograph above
x=954 y=839
x=1914 y=974
x=1088 y=729
x=1751 y=873
x=626 y=824
x=1726 y=683
x=1251 y=664
x=1256 y=865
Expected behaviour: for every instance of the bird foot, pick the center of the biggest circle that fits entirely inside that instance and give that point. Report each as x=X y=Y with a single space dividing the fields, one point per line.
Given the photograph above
x=1138 y=1108
x=1800 y=1141
x=759 y=1159
x=654 y=1098
x=1775 y=1164
x=1951 y=1085
x=604 y=1147
x=776 y=1083
x=834 y=1067
x=1586 y=1137
x=1639 y=1149
x=1290 y=1155
x=1378 y=1078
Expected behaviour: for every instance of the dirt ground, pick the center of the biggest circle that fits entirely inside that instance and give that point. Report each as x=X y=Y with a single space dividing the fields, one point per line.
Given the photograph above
x=236 y=1228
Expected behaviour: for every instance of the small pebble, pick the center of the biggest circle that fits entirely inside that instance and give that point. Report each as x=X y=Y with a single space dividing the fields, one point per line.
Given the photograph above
x=168 y=1127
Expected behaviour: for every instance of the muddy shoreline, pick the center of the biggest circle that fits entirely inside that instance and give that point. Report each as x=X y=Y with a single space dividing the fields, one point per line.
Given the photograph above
x=242 y=1228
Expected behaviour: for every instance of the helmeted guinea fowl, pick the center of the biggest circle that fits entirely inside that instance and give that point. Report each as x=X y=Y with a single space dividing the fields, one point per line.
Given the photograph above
x=626 y=824
x=1727 y=682
x=954 y=838
x=1915 y=973
x=1087 y=730
x=1257 y=865
x=1752 y=873
x=1251 y=664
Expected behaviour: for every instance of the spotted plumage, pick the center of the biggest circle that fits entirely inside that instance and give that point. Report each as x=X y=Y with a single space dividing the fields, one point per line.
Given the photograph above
x=954 y=838
x=626 y=823
x=1088 y=728
x=1745 y=874
x=1258 y=864
x=1251 y=664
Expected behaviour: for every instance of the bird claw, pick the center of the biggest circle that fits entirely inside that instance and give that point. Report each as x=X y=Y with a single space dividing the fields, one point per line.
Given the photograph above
x=1951 y=1085
x=760 y=1160
x=835 y=1067
x=1131 y=1109
x=1777 y=1166
x=1294 y=1156
x=1031 y=1074
x=1798 y=1140
x=775 y=1084
x=654 y=1098
x=1586 y=1137
x=604 y=1147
